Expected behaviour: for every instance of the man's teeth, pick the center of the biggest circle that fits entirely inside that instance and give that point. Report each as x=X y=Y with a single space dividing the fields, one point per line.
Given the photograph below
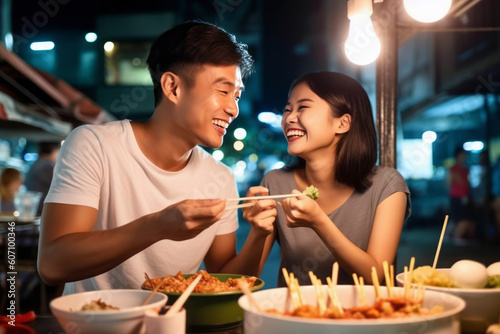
x=220 y=123
x=292 y=133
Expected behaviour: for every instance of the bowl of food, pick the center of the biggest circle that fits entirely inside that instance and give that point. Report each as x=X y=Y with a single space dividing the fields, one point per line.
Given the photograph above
x=213 y=304
x=105 y=311
x=362 y=312
x=471 y=282
x=436 y=313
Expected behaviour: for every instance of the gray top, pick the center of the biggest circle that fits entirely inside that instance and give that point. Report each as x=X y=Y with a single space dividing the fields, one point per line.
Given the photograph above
x=301 y=248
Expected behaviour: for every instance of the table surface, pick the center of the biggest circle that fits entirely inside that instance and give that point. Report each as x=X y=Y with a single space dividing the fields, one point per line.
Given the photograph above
x=47 y=324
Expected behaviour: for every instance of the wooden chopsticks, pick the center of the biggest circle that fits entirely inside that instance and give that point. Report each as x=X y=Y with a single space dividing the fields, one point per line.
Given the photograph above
x=263 y=197
x=245 y=205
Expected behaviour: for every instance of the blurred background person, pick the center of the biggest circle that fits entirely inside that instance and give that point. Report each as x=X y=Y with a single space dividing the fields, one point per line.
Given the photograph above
x=460 y=199
x=40 y=174
x=10 y=181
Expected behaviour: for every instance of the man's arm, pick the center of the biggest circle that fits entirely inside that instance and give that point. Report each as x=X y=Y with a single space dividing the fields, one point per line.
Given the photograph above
x=70 y=250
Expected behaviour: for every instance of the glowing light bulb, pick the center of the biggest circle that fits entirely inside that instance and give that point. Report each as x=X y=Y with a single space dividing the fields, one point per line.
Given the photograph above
x=427 y=11
x=362 y=46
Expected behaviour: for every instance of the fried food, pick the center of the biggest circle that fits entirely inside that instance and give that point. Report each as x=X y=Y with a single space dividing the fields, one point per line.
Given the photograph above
x=98 y=305
x=207 y=284
x=390 y=308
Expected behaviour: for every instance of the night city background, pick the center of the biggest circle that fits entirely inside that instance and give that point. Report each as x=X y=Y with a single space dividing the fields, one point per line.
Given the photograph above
x=448 y=87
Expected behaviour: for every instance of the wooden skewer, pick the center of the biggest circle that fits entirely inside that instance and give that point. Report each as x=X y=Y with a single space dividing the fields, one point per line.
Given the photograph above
x=286 y=276
x=359 y=286
x=148 y=279
x=335 y=273
x=154 y=289
x=176 y=307
x=440 y=242
x=392 y=275
x=387 y=279
x=244 y=287
x=319 y=294
x=263 y=197
x=406 y=285
x=295 y=291
x=333 y=295
x=288 y=301
x=332 y=285
x=376 y=283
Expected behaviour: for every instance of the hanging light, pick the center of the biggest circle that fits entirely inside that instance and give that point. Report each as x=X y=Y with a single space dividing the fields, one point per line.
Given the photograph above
x=362 y=46
x=427 y=11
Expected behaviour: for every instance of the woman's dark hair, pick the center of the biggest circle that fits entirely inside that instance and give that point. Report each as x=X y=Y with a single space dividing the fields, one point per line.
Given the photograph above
x=356 y=152
x=186 y=47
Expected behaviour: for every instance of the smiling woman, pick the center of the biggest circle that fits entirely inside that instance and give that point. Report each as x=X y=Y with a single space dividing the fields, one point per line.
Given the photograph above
x=329 y=127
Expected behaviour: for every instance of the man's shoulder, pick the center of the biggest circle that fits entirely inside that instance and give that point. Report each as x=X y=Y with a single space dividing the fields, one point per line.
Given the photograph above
x=206 y=160
x=105 y=128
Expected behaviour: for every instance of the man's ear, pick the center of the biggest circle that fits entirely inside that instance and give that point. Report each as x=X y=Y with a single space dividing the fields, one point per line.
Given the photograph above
x=170 y=84
x=344 y=124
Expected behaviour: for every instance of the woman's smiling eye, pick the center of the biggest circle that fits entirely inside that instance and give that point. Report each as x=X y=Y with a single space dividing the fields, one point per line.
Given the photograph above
x=223 y=92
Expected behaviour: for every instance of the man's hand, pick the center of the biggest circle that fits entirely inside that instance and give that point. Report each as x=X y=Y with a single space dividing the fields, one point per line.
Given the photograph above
x=187 y=219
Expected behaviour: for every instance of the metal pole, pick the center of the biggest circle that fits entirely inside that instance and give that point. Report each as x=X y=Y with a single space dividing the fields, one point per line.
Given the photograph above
x=386 y=84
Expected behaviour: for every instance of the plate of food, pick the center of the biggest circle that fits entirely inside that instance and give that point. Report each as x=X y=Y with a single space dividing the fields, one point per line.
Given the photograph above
x=476 y=284
x=213 y=304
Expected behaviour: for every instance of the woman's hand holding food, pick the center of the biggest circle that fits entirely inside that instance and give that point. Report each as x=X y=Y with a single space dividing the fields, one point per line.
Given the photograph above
x=261 y=215
x=301 y=211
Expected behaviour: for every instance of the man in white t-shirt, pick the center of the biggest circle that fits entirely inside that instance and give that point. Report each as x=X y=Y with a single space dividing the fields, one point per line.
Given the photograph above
x=135 y=197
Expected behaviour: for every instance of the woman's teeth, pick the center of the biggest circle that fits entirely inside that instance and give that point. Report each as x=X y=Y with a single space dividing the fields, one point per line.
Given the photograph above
x=295 y=133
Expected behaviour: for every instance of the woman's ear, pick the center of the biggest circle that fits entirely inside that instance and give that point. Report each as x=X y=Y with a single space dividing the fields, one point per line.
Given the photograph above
x=170 y=83
x=344 y=124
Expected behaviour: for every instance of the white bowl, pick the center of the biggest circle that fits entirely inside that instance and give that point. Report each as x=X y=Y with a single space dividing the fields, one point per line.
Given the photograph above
x=482 y=305
x=445 y=322
x=127 y=320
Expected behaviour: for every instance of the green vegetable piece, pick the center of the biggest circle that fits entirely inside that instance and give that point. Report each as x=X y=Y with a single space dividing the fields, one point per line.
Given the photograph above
x=312 y=192
x=494 y=282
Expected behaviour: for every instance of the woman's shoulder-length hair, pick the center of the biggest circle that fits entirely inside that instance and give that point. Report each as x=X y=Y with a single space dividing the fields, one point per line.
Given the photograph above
x=356 y=152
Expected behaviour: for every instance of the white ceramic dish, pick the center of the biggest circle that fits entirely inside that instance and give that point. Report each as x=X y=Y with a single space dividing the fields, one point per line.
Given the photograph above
x=257 y=323
x=482 y=305
x=127 y=320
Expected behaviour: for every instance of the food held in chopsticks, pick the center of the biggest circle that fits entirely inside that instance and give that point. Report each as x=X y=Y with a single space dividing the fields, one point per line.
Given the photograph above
x=207 y=284
x=312 y=192
x=395 y=305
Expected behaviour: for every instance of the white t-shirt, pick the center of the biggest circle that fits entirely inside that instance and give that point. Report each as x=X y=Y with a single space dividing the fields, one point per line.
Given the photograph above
x=102 y=166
